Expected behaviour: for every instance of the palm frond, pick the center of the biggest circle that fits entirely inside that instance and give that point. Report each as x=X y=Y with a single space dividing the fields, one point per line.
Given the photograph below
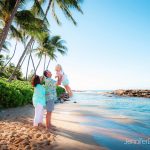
x=5 y=46
x=65 y=9
x=54 y=13
x=15 y=33
x=33 y=26
x=74 y=4
x=38 y=10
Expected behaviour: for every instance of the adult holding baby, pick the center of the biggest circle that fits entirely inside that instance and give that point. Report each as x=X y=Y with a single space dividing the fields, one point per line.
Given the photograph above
x=51 y=97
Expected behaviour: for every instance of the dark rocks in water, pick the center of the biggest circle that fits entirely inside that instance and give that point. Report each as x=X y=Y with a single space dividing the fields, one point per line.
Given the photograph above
x=63 y=97
x=74 y=102
x=133 y=93
x=109 y=95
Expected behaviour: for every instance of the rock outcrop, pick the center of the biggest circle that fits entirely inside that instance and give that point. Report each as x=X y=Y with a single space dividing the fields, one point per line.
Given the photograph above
x=132 y=93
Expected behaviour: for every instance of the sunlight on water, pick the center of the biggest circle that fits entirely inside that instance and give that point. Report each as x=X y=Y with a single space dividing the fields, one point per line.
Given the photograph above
x=115 y=118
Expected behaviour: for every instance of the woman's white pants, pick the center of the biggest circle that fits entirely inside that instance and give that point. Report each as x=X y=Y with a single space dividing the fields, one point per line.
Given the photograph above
x=38 y=117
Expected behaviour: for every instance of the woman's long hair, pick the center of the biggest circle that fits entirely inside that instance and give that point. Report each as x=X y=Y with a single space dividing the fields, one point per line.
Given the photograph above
x=35 y=80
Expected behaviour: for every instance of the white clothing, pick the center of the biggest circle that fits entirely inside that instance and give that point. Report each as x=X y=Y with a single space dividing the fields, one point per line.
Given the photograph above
x=38 y=117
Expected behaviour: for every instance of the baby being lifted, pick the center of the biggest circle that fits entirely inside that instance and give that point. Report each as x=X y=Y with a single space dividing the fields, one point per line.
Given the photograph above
x=62 y=78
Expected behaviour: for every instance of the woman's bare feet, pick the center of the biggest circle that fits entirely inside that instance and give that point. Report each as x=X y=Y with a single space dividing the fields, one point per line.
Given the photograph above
x=41 y=125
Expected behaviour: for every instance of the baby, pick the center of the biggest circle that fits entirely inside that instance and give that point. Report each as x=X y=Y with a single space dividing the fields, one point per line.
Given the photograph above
x=62 y=78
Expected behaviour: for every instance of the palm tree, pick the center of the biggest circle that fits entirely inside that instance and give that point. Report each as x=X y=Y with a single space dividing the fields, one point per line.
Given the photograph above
x=5 y=44
x=8 y=10
x=64 y=5
x=58 y=46
x=9 y=58
x=34 y=27
x=39 y=54
x=49 y=47
x=14 y=33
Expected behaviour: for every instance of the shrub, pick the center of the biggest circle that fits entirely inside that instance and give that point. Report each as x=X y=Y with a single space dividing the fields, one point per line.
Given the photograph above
x=18 y=93
x=60 y=91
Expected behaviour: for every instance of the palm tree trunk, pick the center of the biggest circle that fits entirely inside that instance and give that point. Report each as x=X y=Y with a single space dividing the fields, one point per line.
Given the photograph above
x=22 y=56
x=28 y=67
x=44 y=62
x=3 y=68
x=32 y=62
x=48 y=64
x=22 y=61
x=8 y=24
x=31 y=55
x=38 y=64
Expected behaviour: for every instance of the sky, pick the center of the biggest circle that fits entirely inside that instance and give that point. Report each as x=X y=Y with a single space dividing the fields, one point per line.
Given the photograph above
x=108 y=49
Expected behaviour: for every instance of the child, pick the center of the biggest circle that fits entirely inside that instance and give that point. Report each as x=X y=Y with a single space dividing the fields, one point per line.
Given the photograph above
x=38 y=100
x=62 y=78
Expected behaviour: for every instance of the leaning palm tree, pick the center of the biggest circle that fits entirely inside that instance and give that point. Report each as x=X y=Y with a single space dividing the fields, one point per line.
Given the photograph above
x=14 y=33
x=5 y=44
x=34 y=27
x=8 y=10
x=65 y=6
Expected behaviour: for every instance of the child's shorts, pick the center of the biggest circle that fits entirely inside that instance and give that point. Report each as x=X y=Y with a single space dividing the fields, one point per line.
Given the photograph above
x=49 y=105
x=65 y=82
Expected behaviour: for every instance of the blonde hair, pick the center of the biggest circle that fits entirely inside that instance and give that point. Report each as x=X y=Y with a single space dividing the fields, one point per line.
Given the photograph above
x=58 y=66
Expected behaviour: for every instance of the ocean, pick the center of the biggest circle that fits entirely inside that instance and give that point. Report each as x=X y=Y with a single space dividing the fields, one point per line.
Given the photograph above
x=116 y=122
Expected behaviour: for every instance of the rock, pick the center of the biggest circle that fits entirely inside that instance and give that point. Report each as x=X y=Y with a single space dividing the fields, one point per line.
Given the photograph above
x=133 y=93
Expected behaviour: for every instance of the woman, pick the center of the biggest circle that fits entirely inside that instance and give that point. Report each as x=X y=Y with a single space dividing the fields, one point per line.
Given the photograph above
x=38 y=100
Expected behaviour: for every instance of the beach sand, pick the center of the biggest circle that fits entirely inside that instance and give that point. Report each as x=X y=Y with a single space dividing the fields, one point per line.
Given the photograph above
x=17 y=132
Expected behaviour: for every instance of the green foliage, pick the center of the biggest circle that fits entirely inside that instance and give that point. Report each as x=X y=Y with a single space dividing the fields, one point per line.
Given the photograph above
x=60 y=91
x=16 y=93
x=1 y=60
x=9 y=70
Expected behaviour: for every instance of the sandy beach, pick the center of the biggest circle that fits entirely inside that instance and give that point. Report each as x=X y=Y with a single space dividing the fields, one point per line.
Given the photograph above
x=16 y=131
x=94 y=122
